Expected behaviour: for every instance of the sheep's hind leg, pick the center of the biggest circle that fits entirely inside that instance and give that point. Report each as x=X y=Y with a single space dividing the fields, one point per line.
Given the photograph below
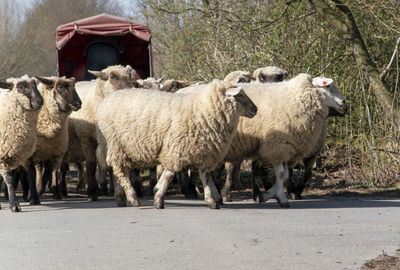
x=124 y=182
x=226 y=190
x=210 y=196
x=277 y=190
x=161 y=188
x=14 y=205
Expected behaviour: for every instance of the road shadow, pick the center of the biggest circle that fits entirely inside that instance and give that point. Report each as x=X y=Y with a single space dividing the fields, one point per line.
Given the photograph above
x=177 y=201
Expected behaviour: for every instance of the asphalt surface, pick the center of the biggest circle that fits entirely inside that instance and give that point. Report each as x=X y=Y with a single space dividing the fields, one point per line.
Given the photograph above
x=326 y=233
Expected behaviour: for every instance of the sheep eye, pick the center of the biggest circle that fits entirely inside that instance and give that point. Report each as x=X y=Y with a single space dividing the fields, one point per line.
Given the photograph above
x=113 y=77
x=61 y=88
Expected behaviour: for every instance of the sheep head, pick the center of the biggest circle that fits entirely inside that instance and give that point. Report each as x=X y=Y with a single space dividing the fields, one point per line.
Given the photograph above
x=26 y=92
x=65 y=94
x=238 y=76
x=237 y=96
x=116 y=78
x=334 y=99
x=269 y=74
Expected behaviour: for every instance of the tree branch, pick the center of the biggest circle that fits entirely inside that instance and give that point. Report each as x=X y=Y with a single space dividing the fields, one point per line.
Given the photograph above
x=391 y=60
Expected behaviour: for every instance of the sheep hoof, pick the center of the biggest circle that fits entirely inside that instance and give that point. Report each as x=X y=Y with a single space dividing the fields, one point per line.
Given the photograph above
x=136 y=204
x=121 y=204
x=92 y=198
x=284 y=205
x=35 y=201
x=298 y=196
x=110 y=193
x=160 y=206
x=226 y=199
x=212 y=204
x=15 y=208
x=260 y=198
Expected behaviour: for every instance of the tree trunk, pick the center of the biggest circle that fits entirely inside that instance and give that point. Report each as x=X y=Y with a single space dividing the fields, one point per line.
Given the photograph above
x=341 y=17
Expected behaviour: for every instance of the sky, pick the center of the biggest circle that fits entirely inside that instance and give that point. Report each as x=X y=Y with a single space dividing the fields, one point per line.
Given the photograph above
x=126 y=4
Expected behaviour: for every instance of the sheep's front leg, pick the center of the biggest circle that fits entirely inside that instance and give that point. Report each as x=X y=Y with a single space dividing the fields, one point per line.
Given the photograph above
x=211 y=195
x=277 y=190
x=40 y=185
x=122 y=181
x=8 y=178
x=161 y=188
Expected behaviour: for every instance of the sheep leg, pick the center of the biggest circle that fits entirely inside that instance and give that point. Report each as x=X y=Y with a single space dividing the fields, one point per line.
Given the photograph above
x=119 y=194
x=40 y=185
x=236 y=176
x=21 y=174
x=101 y=175
x=308 y=167
x=55 y=188
x=277 y=190
x=82 y=180
x=187 y=188
x=259 y=173
x=153 y=179
x=124 y=182
x=226 y=190
x=8 y=178
x=91 y=178
x=161 y=188
x=31 y=175
x=111 y=190
x=209 y=190
x=64 y=167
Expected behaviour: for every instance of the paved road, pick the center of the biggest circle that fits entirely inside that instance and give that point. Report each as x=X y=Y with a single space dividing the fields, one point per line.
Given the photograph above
x=327 y=233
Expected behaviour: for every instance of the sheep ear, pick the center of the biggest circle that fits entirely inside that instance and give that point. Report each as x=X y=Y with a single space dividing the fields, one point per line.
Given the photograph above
x=161 y=80
x=128 y=67
x=134 y=74
x=48 y=82
x=285 y=73
x=6 y=85
x=233 y=91
x=99 y=74
x=321 y=82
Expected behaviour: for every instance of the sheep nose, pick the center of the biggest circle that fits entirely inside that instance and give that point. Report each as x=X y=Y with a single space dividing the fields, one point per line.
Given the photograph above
x=345 y=107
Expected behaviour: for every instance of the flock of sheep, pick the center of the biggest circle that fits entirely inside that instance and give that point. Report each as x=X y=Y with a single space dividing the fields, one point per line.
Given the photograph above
x=120 y=123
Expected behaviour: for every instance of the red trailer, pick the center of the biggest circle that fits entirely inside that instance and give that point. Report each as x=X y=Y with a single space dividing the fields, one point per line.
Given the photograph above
x=132 y=41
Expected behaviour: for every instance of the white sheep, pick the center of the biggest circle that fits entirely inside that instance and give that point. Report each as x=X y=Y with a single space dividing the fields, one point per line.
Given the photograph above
x=264 y=75
x=60 y=99
x=20 y=102
x=141 y=128
x=108 y=80
x=287 y=127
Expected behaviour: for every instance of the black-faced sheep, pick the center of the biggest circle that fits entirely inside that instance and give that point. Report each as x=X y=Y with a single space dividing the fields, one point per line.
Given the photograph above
x=60 y=99
x=20 y=102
